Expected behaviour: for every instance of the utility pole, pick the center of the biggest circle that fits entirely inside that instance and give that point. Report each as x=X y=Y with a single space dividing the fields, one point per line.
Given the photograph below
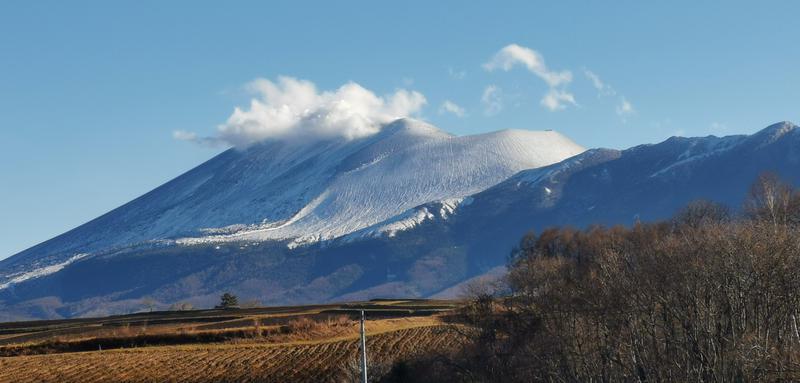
x=363 y=350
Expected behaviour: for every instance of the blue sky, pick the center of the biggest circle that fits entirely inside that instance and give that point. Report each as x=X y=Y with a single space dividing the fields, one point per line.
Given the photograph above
x=91 y=93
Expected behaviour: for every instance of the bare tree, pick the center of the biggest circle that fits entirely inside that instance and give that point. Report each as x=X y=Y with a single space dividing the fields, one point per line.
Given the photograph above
x=773 y=201
x=702 y=212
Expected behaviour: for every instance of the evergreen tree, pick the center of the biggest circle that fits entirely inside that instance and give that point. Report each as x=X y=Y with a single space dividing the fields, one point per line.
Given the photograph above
x=228 y=301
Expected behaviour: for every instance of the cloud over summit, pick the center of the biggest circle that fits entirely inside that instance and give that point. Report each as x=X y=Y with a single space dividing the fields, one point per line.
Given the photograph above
x=294 y=108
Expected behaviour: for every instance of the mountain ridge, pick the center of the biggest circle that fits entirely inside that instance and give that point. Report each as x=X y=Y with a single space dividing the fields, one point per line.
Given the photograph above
x=426 y=248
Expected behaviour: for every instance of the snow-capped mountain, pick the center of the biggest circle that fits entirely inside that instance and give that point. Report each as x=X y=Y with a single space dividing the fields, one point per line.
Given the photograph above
x=409 y=211
x=304 y=191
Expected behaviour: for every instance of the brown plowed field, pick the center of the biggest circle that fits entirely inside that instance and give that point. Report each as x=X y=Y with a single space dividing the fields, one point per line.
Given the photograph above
x=325 y=353
x=316 y=362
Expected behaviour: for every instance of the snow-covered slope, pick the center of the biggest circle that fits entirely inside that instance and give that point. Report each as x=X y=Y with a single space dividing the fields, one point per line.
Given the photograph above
x=411 y=165
x=305 y=192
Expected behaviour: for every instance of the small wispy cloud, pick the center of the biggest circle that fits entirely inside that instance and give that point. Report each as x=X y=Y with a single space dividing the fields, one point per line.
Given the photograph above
x=492 y=100
x=456 y=74
x=625 y=109
x=184 y=135
x=512 y=55
x=192 y=137
x=556 y=99
x=452 y=108
x=603 y=89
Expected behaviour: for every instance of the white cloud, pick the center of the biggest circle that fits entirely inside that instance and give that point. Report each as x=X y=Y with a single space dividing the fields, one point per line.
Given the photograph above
x=625 y=109
x=512 y=55
x=596 y=82
x=184 y=135
x=492 y=100
x=557 y=99
x=456 y=74
x=452 y=108
x=193 y=137
x=603 y=89
x=292 y=108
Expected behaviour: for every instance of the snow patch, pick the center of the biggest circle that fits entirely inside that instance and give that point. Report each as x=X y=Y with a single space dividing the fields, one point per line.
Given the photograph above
x=40 y=272
x=411 y=218
x=709 y=148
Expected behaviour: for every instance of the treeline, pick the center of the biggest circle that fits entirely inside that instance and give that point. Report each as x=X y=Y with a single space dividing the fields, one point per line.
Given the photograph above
x=706 y=296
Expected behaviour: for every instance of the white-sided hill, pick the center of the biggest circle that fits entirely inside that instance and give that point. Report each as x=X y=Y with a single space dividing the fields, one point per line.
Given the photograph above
x=310 y=191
